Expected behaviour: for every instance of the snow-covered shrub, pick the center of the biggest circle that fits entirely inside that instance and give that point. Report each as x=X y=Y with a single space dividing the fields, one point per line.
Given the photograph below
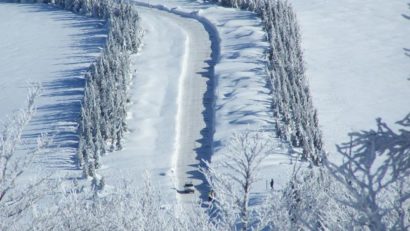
x=122 y=208
x=312 y=200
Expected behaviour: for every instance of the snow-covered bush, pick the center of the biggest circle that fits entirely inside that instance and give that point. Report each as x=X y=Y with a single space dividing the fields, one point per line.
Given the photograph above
x=123 y=208
x=311 y=197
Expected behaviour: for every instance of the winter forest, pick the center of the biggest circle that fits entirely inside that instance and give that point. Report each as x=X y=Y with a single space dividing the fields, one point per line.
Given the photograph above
x=369 y=189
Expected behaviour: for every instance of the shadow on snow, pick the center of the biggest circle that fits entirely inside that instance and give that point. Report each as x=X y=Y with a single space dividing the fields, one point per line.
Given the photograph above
x=58 y=107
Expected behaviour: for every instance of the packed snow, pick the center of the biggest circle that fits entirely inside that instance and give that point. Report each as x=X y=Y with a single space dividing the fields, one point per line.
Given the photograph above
x=42 y=44
x=357 y=61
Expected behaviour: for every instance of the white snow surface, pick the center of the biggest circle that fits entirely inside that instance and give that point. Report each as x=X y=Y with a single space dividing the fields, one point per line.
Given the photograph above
x=42 y=44
x=357 y=59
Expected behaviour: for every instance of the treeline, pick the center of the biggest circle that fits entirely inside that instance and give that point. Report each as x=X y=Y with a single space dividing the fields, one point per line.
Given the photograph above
x=297 y=120
x=103 y=113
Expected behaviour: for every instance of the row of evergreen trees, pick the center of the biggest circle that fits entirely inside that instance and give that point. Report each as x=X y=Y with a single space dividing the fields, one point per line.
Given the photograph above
x=103 y=113
x=297 y=120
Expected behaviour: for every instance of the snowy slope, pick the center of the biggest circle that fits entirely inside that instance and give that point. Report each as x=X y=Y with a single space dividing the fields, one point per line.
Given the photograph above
x=53 y=47
x=355 y=53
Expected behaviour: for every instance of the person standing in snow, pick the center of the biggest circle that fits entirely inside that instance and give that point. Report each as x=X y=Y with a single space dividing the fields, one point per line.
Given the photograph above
x=211 y=195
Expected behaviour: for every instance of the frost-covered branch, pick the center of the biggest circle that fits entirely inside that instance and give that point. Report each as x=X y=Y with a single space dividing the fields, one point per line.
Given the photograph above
x=17 y=194
x=232 y=179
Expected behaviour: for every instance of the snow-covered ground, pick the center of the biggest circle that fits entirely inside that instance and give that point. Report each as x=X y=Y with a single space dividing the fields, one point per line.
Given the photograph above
x=357 y=61
x=41 y=44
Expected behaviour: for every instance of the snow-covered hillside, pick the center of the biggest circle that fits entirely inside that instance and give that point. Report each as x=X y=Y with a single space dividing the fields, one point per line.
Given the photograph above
x=41 y=44
x=357 y=61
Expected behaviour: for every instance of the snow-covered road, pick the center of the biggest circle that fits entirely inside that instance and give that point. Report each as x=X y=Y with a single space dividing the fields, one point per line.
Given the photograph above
x=194 y=115
x=168 y=128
